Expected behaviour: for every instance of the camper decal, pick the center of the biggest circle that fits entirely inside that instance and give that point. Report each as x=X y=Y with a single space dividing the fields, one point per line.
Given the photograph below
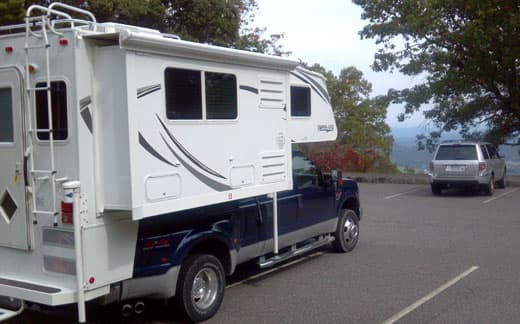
x=141 y=92
x=215 y=185
x=188 y=154
x=314 y=85
x=248 y=88
x=144 y=143
x=85 y=113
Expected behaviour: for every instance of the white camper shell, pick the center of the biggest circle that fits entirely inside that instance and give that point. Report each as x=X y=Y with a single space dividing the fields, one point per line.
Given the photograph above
x=130 y=123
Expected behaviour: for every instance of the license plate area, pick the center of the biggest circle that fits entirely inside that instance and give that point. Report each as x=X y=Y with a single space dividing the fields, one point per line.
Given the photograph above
x=455 y=168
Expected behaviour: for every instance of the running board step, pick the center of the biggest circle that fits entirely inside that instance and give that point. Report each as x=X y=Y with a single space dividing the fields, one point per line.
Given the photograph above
x=293 y=252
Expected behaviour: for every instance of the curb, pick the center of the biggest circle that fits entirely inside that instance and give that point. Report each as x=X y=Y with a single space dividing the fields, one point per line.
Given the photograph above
x=512 y=181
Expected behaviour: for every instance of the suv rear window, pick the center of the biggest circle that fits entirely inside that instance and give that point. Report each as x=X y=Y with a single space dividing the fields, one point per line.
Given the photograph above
x=456 y=152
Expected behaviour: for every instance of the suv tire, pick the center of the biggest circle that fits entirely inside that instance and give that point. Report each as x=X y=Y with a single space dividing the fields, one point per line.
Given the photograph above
x=502 y=182
x=436 y=189
x=489 y=189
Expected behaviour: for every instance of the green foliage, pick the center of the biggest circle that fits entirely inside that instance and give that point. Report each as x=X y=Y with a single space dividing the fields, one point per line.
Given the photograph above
x=11 y=11
x=216 y=22
x=147 y=13
x=468 y=53
x=408 y=170
x=360 y=118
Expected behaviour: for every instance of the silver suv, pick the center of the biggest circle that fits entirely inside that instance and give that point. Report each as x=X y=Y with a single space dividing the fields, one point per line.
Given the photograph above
x=475 y=164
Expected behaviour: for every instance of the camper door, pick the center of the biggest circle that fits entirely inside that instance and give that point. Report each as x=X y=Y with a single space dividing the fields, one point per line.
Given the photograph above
x=14 y=230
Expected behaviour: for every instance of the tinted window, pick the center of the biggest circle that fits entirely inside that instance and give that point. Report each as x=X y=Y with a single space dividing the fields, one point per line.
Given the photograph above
x=492 y=152
x=6 y=115
x=221 y=96
x=183 y=94
x=59 y=110
x=457 y=152
x=300 y=101
x=305 y=173
x=484 y=152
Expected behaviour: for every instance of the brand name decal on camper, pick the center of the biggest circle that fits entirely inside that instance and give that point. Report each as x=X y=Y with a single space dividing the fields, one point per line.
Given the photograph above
x=325 y=128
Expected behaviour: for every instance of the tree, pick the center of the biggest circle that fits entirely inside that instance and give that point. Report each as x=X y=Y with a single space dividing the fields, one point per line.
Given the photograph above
x=11 y=12
x=362 y=128
x=469 y=53
x=216 y=22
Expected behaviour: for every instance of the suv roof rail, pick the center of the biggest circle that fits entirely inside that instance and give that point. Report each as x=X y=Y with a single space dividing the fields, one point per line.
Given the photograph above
x=453 y=141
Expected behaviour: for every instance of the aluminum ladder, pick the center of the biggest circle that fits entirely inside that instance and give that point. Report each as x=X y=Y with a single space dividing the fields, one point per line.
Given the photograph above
x=39 y=175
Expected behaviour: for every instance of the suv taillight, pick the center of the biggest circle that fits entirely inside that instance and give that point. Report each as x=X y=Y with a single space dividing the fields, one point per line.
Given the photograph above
x=431 y=166
x=481 y=166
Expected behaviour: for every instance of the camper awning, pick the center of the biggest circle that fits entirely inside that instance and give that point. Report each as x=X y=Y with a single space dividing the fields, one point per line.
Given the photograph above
x=161 y=44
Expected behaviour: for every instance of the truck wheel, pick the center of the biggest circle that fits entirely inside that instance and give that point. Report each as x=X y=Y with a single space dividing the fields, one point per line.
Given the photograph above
x=347 y=232
x=200 y=288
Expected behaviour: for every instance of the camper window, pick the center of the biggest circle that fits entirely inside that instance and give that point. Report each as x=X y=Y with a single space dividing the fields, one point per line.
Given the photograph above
x=221 y=96
x=183 y=94
x=300 y=102
x=59 y=110
x=186 y=100
x=6 y=115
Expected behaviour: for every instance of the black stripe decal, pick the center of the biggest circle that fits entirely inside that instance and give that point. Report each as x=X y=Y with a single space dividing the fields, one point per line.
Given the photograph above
x=202 y=178
x=312 y=86
x=152 y=151
x=188 y=154
x=141 y=92
x=248 y=88
x=84 y=111
x=316 y=84
x=83 y=103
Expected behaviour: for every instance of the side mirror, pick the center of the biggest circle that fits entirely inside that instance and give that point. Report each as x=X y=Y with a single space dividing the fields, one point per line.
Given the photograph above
x=336 y=175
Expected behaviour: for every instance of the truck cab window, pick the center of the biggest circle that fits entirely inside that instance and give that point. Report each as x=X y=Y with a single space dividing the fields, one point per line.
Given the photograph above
x=6 y=115
x=300 y=102
x=305 y=173
x=59 y=111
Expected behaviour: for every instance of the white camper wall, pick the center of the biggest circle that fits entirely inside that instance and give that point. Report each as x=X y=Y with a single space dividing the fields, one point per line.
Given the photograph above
x=111 y=127
x=180 y=164
x=319 y=125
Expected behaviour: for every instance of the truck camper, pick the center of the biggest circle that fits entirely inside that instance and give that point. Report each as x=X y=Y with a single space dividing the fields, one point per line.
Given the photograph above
x=136 y=165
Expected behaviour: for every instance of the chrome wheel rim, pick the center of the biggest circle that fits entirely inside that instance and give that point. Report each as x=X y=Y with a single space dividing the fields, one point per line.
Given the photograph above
x=204 y=289
x=350 y=231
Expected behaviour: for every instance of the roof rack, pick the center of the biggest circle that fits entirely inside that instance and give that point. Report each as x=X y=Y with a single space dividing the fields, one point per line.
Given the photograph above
x=54 y=9
x=453 y=141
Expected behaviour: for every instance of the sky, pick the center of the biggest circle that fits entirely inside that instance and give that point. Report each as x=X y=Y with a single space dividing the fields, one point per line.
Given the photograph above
x=326 y=32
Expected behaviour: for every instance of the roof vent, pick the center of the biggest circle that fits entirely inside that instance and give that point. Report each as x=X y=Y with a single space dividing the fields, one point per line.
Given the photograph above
x=8 y=206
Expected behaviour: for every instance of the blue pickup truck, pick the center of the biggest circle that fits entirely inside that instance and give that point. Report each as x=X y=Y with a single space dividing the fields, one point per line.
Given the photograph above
x=188 y=259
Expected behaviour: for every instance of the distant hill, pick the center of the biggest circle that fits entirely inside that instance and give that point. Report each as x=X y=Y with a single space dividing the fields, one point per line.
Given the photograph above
x=405 y=153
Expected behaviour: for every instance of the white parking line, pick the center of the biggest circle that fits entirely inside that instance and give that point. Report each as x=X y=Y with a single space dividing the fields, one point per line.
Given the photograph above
x=403 y=193
x=259 y=275
x=500 y=196
x=431 y=295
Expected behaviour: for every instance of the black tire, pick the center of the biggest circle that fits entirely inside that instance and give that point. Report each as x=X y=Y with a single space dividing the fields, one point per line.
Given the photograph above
x=502 y=182
x=436 y=189
x=489 y=189
x=206 y=272
x=347 y=232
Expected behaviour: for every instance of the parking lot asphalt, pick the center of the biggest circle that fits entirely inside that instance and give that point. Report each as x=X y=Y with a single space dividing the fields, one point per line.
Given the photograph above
x=454 y=258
